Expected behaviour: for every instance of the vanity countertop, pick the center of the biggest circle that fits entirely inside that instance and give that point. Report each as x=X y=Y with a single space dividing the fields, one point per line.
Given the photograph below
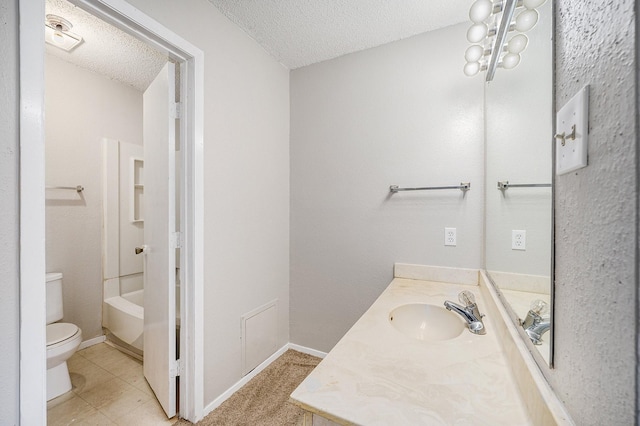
x=377 y=376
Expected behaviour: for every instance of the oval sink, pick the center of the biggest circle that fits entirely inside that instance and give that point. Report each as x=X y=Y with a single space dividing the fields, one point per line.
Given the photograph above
x=426 y=322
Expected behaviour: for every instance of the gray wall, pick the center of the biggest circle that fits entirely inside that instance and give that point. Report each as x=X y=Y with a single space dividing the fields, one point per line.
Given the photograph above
x=396 y=114
x=596 y=217
x=9 y=219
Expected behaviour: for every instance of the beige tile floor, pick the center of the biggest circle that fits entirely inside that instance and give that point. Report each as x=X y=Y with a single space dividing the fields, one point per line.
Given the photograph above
x=108 y=389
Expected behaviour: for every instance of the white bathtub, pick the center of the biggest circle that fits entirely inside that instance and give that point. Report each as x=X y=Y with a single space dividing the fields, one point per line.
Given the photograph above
x=124 y=317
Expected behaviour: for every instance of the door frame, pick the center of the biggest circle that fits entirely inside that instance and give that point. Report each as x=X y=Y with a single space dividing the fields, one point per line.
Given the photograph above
x=33 y=407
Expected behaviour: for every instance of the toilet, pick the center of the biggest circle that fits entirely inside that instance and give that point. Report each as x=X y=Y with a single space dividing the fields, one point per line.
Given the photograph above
x=63 y=339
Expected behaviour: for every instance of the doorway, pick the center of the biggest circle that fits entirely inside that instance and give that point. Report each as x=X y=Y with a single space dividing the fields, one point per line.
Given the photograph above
x=32 y=267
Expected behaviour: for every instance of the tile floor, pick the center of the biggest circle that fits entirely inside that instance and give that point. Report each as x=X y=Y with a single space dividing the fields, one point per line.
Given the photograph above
x=108 y=389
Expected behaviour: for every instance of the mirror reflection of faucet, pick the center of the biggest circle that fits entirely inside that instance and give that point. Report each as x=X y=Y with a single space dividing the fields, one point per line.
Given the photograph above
x=537 y=321
x=469 y=312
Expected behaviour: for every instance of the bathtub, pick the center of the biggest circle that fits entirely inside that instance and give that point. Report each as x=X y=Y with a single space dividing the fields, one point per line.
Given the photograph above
x=124 y=317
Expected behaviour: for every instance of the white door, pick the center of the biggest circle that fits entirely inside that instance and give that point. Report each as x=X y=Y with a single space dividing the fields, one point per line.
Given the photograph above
x=159 y=238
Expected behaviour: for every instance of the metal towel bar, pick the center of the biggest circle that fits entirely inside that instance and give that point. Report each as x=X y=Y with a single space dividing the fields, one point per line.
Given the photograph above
x=78 y=188
x=504 y=184
x=464 y=186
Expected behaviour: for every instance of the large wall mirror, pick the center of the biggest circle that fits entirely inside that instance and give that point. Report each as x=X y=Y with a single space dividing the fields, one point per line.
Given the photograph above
x=519 y=149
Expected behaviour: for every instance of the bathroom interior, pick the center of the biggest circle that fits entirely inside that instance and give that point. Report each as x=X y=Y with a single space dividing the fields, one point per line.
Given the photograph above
x=306 y=229
x=96 y=227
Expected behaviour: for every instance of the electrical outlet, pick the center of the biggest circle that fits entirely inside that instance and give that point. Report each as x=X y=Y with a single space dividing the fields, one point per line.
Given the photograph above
x=449 y=236
x=518 y=240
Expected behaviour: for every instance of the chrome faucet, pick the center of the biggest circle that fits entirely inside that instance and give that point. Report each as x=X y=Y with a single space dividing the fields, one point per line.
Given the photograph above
x=535 y=325
x=469 y=311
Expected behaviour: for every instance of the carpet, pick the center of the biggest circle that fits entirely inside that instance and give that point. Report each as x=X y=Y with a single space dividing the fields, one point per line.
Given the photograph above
x=264 y=400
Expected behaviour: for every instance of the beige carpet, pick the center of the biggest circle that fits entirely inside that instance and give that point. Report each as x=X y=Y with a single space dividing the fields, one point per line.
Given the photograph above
x=264 y=401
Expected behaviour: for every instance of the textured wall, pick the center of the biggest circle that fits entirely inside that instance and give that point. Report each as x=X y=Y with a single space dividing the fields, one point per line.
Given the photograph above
x=246 y=181
x=390 y=115
x=74 y=128
x=9 y=214
x=596 y=208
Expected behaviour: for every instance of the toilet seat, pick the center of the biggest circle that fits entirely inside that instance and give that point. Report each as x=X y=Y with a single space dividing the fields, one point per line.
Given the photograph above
x=58 y=333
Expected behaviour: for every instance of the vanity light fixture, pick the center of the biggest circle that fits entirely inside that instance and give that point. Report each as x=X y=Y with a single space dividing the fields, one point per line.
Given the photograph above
x=57 y=33
x=492 y=23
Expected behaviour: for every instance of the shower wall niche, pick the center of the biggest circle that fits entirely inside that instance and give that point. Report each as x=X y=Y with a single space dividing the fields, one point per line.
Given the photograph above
x=136 y=189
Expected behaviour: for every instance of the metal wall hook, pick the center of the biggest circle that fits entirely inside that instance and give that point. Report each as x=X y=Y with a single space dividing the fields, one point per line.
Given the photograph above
x=564 y=137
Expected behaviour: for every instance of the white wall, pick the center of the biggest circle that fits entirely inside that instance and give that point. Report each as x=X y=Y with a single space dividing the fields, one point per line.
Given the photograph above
x=81 y=108
x=596 y=322
x=9 y=215
x=246 y=158
x=405 y=114
x=519 y=149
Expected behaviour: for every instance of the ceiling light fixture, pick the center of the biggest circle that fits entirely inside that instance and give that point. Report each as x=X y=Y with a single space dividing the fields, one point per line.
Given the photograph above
x=492 y=22
x=57 y=33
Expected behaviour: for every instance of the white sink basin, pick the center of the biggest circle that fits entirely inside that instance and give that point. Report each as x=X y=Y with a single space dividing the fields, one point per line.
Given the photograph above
x=426 y=322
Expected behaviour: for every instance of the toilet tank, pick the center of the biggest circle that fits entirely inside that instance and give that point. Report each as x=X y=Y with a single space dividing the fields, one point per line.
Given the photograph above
x=54 y=297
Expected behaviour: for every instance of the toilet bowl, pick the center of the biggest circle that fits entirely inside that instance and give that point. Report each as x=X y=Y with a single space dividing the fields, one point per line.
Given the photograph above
x=63 y=339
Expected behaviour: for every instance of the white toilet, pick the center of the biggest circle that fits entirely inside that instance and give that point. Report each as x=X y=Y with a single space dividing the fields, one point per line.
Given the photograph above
x=63 y=339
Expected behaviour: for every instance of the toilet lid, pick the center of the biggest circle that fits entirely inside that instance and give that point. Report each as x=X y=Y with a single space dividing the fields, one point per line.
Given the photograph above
x=60 y=331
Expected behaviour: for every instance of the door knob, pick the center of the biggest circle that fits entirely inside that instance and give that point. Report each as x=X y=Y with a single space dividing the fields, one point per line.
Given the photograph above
x=141 y=249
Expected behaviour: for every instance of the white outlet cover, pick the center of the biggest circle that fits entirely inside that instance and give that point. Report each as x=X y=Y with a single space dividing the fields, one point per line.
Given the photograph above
x=571 y=154
x=518 y=239
x=450 y=236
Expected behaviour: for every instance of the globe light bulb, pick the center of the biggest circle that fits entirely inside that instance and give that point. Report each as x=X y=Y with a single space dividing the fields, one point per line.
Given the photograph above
x=474 y=53
x=526 y=20
x=471 y=68
x=532 y=4
x=477 y=32
x=517 y=43
x=480 y=10
x=510 y=60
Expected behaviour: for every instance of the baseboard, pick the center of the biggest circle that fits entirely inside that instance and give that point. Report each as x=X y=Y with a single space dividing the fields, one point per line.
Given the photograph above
x=243 y=381
x=306 y=350
x=91 y=342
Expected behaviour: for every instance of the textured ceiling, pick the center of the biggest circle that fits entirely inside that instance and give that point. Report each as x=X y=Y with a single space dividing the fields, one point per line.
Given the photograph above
x=106 y=50
x=295 y=32
x=302 y=32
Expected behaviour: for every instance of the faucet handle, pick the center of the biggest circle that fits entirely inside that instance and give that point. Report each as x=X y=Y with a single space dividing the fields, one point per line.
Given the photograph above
x=466 y=298
x=540 y=307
